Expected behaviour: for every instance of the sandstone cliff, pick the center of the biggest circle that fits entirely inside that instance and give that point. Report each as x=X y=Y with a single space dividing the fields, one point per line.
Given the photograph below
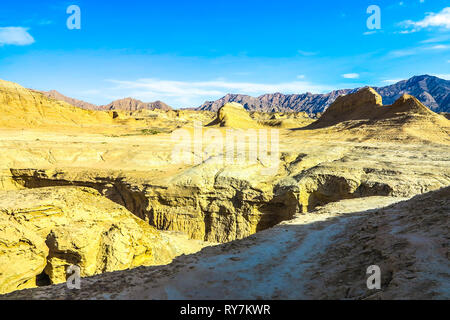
x=44 y=231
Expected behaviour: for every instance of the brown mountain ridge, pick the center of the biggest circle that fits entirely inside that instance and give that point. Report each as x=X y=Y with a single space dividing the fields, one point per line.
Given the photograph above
x=431 y=91
x=126 y=104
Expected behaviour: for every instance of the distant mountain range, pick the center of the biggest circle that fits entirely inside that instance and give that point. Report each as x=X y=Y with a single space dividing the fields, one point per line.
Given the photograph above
x=126 y=104
x=130 y=104
x=75 y=102
x=433 y=92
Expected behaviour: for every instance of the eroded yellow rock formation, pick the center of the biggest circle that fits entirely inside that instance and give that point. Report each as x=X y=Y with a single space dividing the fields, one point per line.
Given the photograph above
x=399 y=151
x=322 y=255
x=23 y=255
x=362 y=114
x=44 y=231
x=234 y=115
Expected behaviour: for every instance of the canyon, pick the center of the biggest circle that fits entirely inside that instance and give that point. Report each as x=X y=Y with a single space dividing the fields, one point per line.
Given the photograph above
x=366 y=183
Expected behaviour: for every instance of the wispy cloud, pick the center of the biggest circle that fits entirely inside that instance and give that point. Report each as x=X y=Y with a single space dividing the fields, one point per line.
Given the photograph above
x=17 y=36
x=440 y=38
x=405 y=31
x=191 y=92
x=350 y=75
x=392 y=81
x=307 y=53
x=45 y=22
x=403 y=53
x=171 y=88
x=440 y=19
x=442 y=76
x=417 y=50
x=438 y=47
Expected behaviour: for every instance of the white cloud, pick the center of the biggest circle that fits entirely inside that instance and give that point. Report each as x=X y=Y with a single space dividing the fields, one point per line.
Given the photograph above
x=350 y=75
x=392 y=81
x=403 y=53
x=45 y=22
x=438 y=47
x=442 y=76
x=417 y=50
x=440 y=38
x=301 y=76
x=17 y=36
x=189 y=93
x=441 y=19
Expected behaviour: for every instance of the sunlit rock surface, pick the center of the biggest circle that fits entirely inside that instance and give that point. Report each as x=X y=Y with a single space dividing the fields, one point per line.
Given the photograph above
x=75 y=188
x=46 y=230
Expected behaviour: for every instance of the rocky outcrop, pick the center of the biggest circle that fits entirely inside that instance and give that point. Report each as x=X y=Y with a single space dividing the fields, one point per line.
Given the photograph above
x=362 y=104
x=283 y=120
x=364 y=111
x=23 y=255
x=233 y=115
x=46 y=230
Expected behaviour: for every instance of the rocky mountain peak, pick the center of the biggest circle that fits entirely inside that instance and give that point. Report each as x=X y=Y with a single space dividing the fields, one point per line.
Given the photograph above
x=131 y=104
x=363 y=97
x=408 y=103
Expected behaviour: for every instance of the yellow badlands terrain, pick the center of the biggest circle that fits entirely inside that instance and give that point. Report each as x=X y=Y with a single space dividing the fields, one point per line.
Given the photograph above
x=364 y=184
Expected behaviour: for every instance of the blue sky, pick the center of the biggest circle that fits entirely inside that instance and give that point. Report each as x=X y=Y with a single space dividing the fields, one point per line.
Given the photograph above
x=186 y=52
